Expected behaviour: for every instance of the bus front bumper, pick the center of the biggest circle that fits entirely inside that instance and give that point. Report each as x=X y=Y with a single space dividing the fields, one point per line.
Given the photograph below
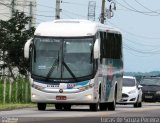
x=83 y=97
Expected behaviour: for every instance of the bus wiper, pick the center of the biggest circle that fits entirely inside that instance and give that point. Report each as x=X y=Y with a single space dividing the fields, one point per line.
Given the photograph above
x=53 y=67
x=91 y=56
x=69 y=70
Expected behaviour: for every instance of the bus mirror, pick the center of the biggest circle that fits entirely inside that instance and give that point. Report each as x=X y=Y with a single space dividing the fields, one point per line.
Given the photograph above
x=97 y=49
x=26 y=48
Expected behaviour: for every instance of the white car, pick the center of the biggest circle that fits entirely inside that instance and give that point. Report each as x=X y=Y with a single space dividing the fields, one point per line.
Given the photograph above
x=131 y=92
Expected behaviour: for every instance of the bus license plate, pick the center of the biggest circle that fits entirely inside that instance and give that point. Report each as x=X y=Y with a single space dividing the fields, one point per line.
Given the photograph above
x=61 y=98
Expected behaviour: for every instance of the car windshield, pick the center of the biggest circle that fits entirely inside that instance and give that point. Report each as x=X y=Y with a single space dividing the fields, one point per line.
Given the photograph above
x=128 y=82
x=57 y=58
x=150 y=81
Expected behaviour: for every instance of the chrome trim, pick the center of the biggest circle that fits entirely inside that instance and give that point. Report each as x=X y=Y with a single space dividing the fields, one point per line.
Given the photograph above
x=64 y=90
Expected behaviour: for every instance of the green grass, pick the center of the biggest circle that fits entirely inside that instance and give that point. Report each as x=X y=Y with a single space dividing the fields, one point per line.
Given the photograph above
x=11 y=106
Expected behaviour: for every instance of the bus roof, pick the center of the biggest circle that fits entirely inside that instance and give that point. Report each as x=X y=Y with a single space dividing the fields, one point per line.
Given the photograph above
x=72 y=28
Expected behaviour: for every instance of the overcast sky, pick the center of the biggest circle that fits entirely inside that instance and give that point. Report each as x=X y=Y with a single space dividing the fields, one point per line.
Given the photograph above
x=137 y=19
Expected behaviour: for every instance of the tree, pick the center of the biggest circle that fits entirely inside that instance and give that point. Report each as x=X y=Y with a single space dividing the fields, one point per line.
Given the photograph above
x=13 y=35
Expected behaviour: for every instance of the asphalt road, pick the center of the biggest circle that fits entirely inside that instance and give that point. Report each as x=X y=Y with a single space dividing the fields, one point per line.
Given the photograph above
x=150 y=112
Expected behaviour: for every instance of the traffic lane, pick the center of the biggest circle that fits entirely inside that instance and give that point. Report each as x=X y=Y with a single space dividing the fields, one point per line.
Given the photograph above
x=79 y=111
x=62 y=120
x=81 y=114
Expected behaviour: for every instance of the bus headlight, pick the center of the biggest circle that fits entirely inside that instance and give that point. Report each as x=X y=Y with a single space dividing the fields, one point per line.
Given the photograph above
x=33 y=95
x=89 y=96
x=86 y=87
x=38 y=87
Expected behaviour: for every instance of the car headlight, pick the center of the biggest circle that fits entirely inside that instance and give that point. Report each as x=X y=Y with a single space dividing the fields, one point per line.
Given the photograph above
x=86 y=87
x=38 y=87
x=158 y=92
x=131 y=92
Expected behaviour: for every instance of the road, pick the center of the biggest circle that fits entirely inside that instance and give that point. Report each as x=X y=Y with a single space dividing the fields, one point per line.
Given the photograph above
x=82 y=114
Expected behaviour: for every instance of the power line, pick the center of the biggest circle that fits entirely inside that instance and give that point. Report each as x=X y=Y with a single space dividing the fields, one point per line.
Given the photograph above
x=137 y=54
x=75 y=3
x=147 y=8
x=141 y=44
x=67 y=15
x=75 y=13
x=133 y=34
x=142 y=51
x=27 y=12
x=46 y=6
x=135 y=10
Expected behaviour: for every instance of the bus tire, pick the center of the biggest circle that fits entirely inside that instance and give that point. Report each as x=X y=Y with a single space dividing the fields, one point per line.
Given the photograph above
x=93 y=107
x=67 y=107
x=112 y=105
x=102 y=106
x=58 y=106
x=41 y=106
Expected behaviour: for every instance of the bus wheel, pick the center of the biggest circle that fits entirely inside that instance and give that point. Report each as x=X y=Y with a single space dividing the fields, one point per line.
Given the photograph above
x=93 y=107
x=102 y=106
x=41 y=106
x=58 y=106
x=67 y=107
x=112 y=105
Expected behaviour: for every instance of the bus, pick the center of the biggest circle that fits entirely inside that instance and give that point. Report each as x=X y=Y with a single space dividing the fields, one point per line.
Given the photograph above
x=75 y=62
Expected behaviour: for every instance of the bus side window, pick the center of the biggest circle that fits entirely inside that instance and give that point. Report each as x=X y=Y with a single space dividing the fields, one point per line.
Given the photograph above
x=113 y=46
x=110 y=46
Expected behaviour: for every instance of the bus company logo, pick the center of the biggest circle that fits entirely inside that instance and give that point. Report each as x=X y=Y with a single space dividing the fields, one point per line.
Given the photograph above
x=110 y=72
x=60 y=90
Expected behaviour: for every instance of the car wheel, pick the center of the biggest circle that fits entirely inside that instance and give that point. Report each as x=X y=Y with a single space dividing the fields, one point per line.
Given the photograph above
x=140 y=104
x=137 y=104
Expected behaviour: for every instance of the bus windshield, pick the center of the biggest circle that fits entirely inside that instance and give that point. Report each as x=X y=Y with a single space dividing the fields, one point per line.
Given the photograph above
x=67 y=58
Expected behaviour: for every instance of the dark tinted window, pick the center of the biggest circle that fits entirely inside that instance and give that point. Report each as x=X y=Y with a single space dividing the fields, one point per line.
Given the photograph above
x=127 y=82
x=111 y=44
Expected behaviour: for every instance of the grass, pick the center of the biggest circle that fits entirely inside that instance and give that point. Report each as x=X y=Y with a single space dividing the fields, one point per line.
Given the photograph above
x=12 y=106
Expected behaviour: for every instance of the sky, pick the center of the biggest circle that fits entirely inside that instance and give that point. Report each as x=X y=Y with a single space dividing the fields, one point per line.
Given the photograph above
x=138 y=21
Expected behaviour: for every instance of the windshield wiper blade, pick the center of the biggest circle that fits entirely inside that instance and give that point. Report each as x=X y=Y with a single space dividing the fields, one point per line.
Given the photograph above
x=34 y=50
x=53 y=67
x=91 y=56
x=69 y=70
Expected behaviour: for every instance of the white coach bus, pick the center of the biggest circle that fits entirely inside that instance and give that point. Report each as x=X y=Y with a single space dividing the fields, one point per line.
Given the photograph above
x=75 y=62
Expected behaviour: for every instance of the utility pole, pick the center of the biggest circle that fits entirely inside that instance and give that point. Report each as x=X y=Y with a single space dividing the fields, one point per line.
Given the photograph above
x=31 y=14
x=58 y=10
x=102 y=18
x=12 y=7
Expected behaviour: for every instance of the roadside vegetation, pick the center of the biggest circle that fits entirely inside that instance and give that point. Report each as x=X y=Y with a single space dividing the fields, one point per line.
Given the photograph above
x=17 y=91
x=15 y=94
x=14 y=82
x=12 y=106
